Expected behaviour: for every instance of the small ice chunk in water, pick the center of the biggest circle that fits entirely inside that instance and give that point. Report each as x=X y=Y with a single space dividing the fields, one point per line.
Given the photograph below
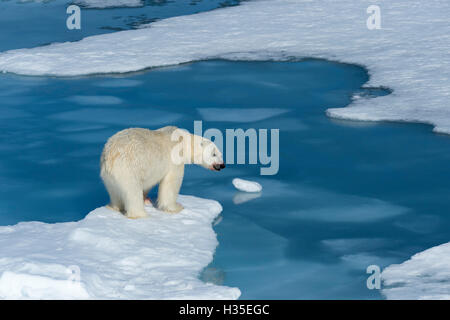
x=246 y=185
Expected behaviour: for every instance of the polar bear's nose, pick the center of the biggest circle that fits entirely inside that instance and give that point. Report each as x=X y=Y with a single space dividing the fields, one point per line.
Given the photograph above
x=219 y=166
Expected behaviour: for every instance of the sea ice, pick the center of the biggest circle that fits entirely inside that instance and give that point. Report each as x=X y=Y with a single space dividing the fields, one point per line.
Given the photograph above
x=406 y=55
x=107 y=256
x=425 y=276
x=246 y=185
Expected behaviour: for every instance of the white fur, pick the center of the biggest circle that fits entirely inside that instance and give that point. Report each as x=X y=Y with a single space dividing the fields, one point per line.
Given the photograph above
x=135 y=160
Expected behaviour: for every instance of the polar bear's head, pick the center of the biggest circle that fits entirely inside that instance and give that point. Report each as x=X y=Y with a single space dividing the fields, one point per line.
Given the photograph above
x=206 y=154
x=190 y=148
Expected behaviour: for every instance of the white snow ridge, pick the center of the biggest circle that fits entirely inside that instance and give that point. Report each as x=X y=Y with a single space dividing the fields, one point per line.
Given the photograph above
x=108 y=256
x=409 y=54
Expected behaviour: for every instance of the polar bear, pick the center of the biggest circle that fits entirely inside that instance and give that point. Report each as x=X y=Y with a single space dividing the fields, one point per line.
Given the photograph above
x=136 y=159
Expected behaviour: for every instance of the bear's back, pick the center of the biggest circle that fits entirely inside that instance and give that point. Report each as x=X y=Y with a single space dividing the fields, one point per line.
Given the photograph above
x=132 y=145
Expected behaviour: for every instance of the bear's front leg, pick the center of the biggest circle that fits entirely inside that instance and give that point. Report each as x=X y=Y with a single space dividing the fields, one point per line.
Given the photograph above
x=168 y=190
x=134 y=206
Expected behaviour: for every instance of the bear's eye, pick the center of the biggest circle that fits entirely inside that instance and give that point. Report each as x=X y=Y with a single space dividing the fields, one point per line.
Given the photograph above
x=214 y=154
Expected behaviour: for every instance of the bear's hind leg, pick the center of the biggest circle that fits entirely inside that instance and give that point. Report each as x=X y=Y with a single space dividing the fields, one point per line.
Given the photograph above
x=115 y=200
x=168 y=190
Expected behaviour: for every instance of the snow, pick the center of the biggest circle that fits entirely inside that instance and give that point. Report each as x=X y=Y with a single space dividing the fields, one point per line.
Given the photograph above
x=409 y=54
x=246 y=185
x=425 y=276
x=101 y=4
x=107 y=256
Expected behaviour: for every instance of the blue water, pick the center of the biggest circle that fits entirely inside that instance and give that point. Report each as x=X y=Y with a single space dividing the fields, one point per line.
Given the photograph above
x=347 y=195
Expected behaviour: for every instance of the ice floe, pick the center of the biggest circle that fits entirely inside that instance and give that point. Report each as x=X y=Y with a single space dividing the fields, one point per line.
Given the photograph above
x=425 y=276
x=107 y=256
x=409 y=54
x=246 y=185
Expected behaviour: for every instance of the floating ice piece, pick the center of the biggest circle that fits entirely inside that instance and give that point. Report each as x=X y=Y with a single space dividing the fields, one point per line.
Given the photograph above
x=107 y=256
x=246 y=185
x=425 y=276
